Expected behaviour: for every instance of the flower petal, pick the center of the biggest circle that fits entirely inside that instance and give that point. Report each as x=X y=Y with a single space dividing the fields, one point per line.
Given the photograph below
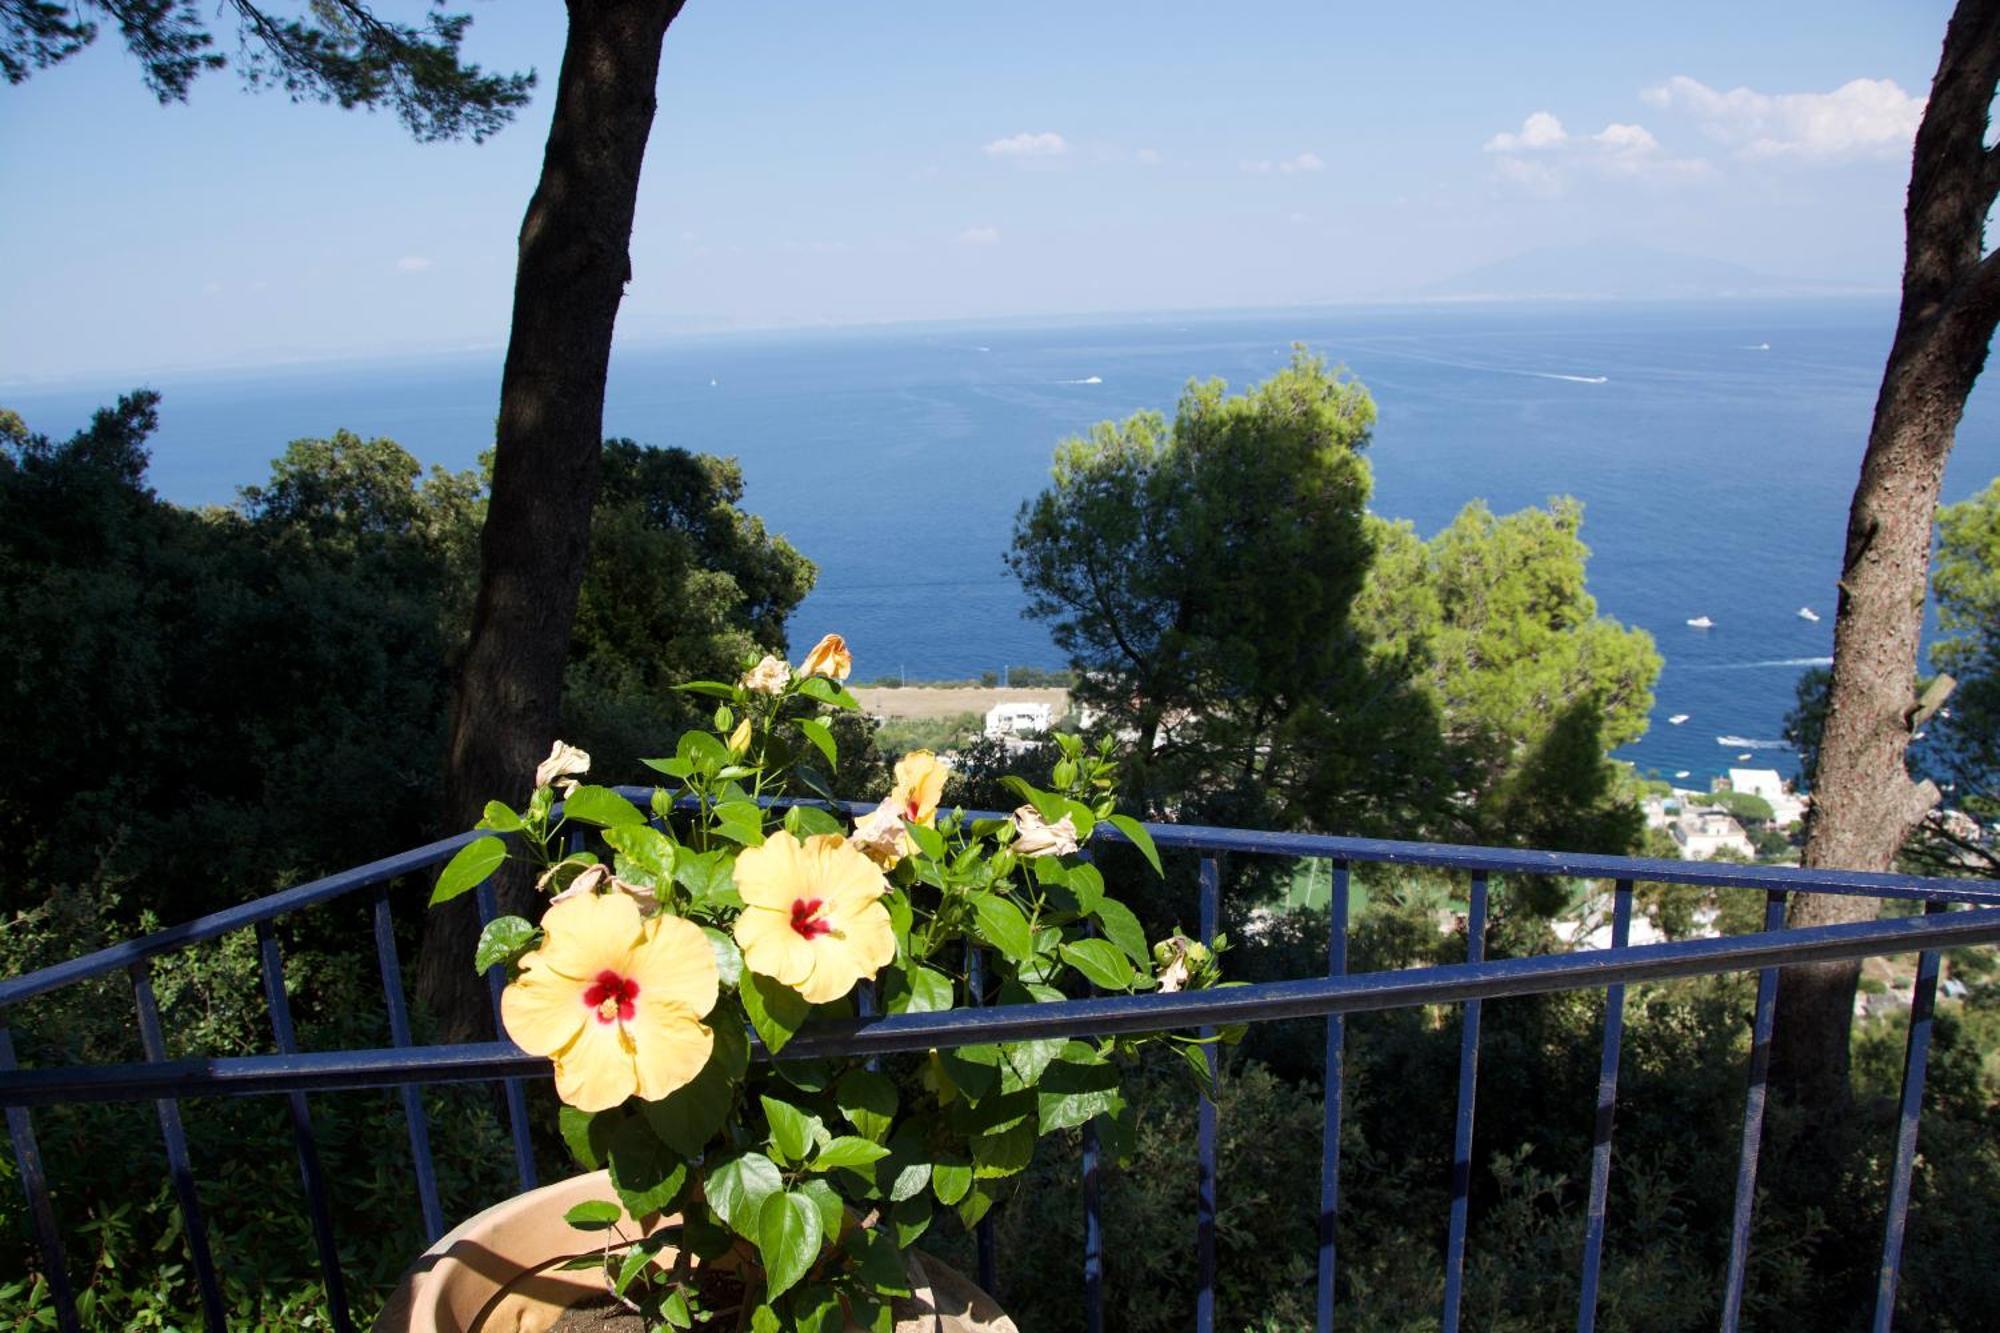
x=584 y=935
x=670 y=1045
x=596 y=1071
x=542 y=1010
x=773 y=875
x=771 y=947
x=675 y=965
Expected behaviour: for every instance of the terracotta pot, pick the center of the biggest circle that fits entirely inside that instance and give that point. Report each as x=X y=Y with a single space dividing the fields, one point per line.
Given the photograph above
x=501 y=1272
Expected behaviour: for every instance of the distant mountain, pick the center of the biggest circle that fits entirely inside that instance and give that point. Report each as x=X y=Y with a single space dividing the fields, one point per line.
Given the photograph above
x=1618 y=271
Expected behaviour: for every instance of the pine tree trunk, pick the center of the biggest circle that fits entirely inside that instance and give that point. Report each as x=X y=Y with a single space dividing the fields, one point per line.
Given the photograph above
x=574 y=263
x=1864 y=803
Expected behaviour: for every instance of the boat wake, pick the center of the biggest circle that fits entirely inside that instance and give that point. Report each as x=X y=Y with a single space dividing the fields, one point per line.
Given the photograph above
x=1093 y=379
x=1573 y=379
x=1745 y=743
x=1768 y=662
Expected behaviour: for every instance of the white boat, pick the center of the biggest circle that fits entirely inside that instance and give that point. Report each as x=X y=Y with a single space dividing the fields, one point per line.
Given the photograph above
x=1743 y=758
x=1701 y=622
x=1807 y=613
x=1677 y=719
x=1683 y=773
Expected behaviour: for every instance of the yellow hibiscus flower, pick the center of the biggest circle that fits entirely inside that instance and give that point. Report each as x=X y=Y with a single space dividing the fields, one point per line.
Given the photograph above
x=615 y=1000
x=829 y=657
x=919 y=786
x=812 y=914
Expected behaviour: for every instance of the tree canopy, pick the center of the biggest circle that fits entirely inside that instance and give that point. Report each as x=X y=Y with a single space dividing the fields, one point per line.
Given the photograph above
x=339 y=51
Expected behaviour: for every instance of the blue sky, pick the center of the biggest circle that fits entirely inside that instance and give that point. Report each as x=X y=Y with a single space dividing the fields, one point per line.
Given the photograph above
x=815 y=164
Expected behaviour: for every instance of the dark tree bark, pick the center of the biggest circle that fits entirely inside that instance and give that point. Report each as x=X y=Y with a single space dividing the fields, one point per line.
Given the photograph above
x=1864 y=803
x=573 y=267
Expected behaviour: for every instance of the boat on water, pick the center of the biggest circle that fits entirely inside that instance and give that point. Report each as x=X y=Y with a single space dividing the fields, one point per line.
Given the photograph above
x=1683 y=773
x=1701 y=622
x=1677 y=719
x=1743 y=758
x=1807 y=613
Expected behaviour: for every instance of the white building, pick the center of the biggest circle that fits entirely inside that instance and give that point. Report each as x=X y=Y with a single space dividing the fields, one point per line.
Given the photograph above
x=1703 y=833
x=1787 y=807
x=1008 y=720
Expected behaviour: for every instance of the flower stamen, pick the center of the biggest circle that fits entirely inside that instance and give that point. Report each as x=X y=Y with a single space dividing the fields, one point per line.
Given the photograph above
x=805 y=919
x=612 y=996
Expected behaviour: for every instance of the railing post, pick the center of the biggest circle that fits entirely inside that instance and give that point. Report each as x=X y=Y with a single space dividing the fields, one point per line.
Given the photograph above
x=41 y=1210
x=1204 y=1301
x=1607 y=1107
x=1916 y=1056
x=271 y=962
x=989 y=1254
x=414 y=1119
x=178 y=1167
x=1336 y=1084
x=1461 y=1150
x=513 y=1089
x=1753 y=1124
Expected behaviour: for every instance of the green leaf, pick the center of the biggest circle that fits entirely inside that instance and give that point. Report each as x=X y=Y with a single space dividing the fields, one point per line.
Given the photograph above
x=879 y=1263
x=715 y=689
x=1086 y=882
x=741 y=822
x=827 y=692
x=868 y=1100
x=791 y=1130
x=916 y=989
x=500 y=818
x=821 y=736
x=905 y=1172
x=595 y=1215
x=1070 y=1094
x=645 y=855
x=950 y=1181
x=776 y=1010
x=975 y=1069
x=805 y=1075
x=688 y=1117
x=1002 y=1154
x=676 y=767
x=832 y=1208
x=728 y=958
x=816 y=1309
x=911 y=1218
x=601 y=806
x=504 y=939
x=588 y=1134
x=928 y=840
x=1048 y=806
x=630 y=1266
x=764 y=1319
x=1002 y=926
x=1141 y=839
x=975 y=1205
x=789 y=1236
x=1101 y=962
x=648 y=1176
x=469 y=868
x=1022 y=1062
x=806 y=821
x=1123 y=929
x=708 y=754
x=702 y=1237
x=848 y=1151
x=737 y=1187
x=706 y=876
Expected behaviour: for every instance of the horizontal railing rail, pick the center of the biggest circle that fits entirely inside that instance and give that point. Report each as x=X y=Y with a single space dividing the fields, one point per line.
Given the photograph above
x=407 y=1067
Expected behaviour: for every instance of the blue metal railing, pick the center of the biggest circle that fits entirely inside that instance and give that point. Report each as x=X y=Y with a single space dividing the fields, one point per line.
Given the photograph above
x=295 y=1074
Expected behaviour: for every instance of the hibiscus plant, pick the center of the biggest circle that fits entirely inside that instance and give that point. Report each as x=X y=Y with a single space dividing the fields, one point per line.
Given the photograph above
x=780 y=1193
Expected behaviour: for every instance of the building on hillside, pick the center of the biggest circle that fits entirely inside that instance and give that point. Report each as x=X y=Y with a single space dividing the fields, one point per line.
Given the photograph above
x=1787 y=806
x=1703 y=833
x=1009 y=720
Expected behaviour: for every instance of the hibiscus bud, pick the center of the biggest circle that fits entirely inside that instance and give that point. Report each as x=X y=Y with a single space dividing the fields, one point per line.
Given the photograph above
x=739 y=739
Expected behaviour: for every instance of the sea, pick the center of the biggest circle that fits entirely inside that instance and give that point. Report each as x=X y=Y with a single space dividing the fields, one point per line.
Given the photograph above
x=1714 y=447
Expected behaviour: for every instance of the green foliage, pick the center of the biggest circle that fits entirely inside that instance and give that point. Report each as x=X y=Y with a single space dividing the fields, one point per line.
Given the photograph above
x=899 y=735
x=338 y=51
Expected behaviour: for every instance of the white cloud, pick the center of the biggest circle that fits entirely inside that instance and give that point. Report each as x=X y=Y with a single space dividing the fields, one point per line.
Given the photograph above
x=1290 y=166
x=1861 y=118
x=1542 y=156
x=1046 y=144
x=412 y=264
x=979 y=236
x=1540 y=130
x=1149 y=157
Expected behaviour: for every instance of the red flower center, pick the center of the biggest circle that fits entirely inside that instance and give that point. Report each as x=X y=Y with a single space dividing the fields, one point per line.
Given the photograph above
x=611 y=996
x=804 y=920
x=916 y=815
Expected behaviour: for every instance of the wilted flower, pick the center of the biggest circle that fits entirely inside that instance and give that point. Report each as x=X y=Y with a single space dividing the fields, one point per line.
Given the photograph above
x=590 y=877
x=1035 y=836
x=812 y=914
x=829 y=657
x=769 y=676
x=564 y=760
x=614 y=1000
x=919 y=786
x=1179 y=961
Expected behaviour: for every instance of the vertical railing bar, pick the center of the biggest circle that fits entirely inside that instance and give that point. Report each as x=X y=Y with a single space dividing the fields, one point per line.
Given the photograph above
x=179 y=1167
x=271 y=963
x=1336 y=1082
x=1916 y=1057
x=1093 y=1217
x=983 y=1234
x=41 y=1208
x=1753 y=1124
x=1461 y=1152
x=1204 y=1301
x=414 y=1119
x=513 y=1089
x=1607 y=1109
